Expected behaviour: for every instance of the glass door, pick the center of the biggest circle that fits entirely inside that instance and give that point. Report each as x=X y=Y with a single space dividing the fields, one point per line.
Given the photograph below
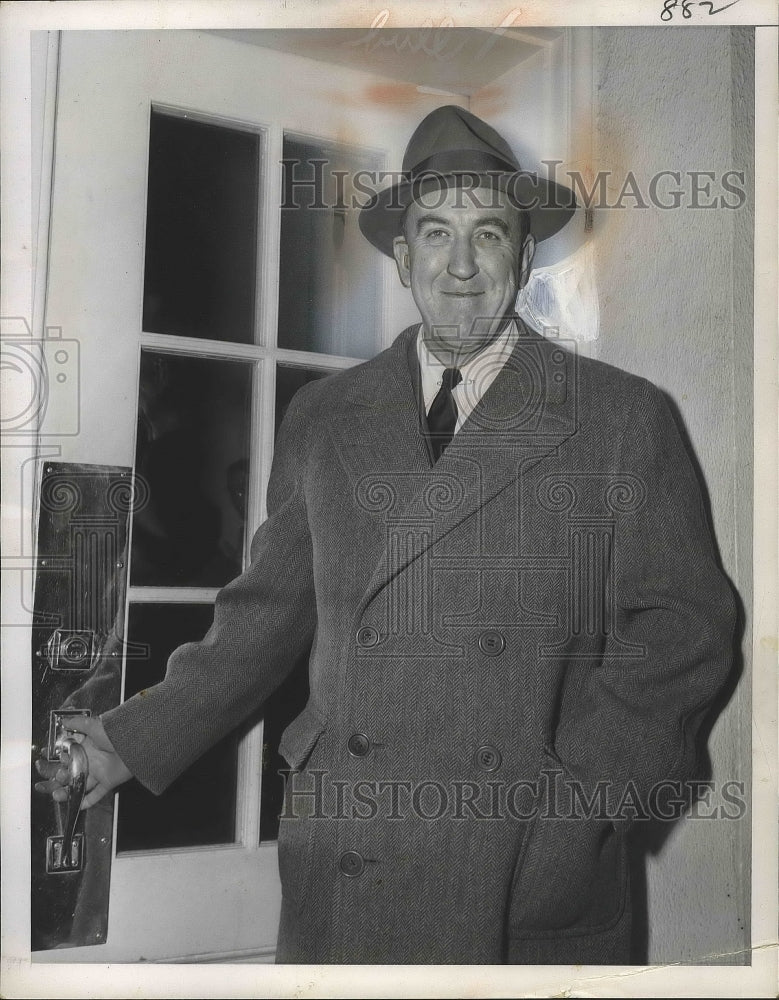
x=211 y=279
x=207 y=371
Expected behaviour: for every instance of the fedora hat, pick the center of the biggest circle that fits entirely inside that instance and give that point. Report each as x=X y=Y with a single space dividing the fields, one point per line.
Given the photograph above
x=449 y=148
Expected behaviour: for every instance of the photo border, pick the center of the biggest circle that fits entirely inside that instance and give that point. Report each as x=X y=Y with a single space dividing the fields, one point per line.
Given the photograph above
x=22 y=978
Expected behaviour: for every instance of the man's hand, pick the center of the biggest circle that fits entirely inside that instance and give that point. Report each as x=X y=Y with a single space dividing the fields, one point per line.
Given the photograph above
x=106 y=768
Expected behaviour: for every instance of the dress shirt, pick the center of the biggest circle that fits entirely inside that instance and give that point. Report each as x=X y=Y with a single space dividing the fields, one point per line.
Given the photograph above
x=478 y=371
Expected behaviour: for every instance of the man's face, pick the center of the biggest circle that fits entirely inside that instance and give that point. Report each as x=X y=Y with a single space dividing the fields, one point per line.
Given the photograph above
x=463 y=258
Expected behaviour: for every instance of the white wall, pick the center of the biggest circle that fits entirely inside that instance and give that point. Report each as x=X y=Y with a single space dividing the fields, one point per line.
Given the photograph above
x=675 y=296
x=543 y=107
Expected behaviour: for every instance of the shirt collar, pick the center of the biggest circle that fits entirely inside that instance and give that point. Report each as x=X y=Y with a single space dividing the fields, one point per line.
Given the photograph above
x=478 y=371
x=498 y=349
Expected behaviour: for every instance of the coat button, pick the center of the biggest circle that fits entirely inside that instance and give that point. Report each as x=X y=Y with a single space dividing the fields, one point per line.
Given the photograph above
x=487 y=758
x=359 y=745
x=491 y=643
x=367 y=636
x=351 y=864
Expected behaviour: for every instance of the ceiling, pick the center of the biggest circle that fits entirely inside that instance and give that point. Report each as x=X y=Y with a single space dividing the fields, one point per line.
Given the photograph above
x=452 y=60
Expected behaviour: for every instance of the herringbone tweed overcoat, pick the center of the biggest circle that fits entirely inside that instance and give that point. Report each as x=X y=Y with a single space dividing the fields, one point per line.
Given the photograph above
x=505 y=648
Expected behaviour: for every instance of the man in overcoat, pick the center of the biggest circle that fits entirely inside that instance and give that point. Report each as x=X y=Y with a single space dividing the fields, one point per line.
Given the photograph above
x=500 y=561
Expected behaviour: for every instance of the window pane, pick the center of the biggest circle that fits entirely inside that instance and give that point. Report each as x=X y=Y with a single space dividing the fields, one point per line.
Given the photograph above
x=192 y=453
x=329 y=276
x=201 y=230
x=289 y=379
x=199 y=807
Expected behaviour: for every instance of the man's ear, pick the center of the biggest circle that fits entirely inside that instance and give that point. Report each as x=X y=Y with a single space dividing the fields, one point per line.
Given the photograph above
x=526 y=259
x=400 y=250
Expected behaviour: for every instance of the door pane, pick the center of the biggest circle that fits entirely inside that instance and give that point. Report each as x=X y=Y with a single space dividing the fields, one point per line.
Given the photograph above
x=329 y=288
x=192 y=454
x=201 y=230
x=199 y=807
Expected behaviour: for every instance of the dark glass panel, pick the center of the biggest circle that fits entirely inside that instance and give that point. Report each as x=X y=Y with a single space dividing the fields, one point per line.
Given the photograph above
x=289 y=379
x=192 y=454
x=199 y=807
x=329 y=276
x=201 y=230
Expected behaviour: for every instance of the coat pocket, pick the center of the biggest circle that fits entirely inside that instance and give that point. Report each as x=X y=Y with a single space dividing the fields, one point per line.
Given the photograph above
x=572 y=874
x=296 y=840
x=301 y=736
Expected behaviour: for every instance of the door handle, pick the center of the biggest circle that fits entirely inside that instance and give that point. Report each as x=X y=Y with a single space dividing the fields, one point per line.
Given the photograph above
x=65 y=852
x=78 y=772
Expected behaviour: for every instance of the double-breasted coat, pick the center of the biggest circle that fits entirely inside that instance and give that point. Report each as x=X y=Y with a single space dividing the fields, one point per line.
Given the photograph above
x=505 y=649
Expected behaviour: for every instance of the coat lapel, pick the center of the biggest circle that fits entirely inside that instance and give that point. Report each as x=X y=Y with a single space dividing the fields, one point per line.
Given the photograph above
x=525 y=415
x=376 y=430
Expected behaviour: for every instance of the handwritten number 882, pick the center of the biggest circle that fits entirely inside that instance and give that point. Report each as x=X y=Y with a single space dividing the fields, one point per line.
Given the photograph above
x=668 y=8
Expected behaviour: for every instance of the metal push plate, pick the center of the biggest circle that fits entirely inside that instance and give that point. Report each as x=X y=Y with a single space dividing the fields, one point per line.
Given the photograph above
x=77 y=651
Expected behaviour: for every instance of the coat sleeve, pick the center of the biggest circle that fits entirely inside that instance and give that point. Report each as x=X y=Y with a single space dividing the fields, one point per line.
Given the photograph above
x=636 y=719
x=263 y=622
x=626 y=723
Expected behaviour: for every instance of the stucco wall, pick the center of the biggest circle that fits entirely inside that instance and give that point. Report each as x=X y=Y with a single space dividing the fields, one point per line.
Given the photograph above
x=676 y=306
